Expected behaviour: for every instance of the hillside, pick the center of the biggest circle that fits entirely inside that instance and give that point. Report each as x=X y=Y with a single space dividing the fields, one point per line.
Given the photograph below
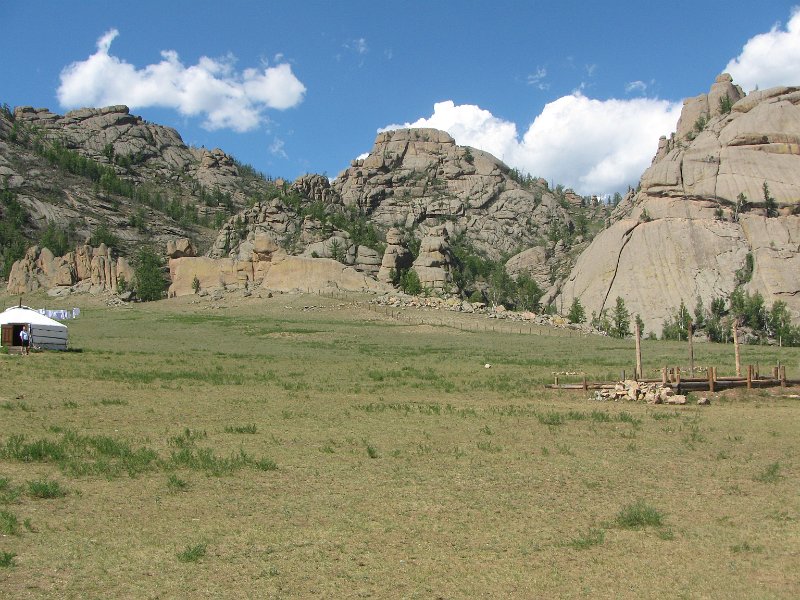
x=106 y=176
x=715 y=216
x=94 y=168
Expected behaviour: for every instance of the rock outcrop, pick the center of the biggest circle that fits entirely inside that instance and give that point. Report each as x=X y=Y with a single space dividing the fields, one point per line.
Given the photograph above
x=686 y=232
x=420 y=178
x=163 y=188
x=86 y=269
x=434 y=264
x=396 y=257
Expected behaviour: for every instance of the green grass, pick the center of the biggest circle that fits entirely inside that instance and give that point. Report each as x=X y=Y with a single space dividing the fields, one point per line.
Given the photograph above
x=176 y=484
x=45 y=489
x=252 y=443
x=771 y=474
x=9 y=525
x=594 y=537
x=6 y=559
x=251 y=429
x=639 y=515
x=192 y=553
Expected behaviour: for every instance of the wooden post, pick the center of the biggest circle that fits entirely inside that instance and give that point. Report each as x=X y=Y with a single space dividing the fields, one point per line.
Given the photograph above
x=711 y=379
x=775 y=371
x=638 y=353
x=690 y=339
x=749 y=377
x=585 y=383
x=783 y=376
x=664 y=375
x=556 y=380
x=736 y=349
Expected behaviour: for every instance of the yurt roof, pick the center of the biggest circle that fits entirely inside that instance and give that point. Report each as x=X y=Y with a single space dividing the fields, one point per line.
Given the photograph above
x=24 y=314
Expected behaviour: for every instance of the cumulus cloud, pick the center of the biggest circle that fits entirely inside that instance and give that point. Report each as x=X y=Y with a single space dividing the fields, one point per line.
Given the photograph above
x=212 y=87
x=770 y=59
x=592 y=146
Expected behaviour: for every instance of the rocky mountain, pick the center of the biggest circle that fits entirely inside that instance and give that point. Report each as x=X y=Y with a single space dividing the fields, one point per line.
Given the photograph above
x=105 y=166
x=416 y=182
x=718 y=208
x=106 y=170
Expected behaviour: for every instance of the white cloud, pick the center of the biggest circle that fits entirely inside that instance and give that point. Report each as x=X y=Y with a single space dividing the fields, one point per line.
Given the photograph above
x=770 y=59
x=211 y=88
x=276 y=148
x=359 y=46
x=636 y=86
x=538 y=78
x=592 y=146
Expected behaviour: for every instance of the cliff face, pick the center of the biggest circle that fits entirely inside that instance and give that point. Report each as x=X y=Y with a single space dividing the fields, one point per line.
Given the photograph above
x=726 y=184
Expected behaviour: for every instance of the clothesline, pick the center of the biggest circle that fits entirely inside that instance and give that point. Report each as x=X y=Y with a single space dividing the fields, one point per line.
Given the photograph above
x=60 y=315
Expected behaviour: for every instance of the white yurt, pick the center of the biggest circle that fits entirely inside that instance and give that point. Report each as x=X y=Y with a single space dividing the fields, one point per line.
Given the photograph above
x=45 y=332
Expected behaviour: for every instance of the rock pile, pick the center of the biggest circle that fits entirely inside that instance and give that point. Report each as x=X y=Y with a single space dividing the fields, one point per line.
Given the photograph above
x=639 y=391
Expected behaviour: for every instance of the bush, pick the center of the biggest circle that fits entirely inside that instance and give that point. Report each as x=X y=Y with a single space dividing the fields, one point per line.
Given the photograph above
x=410 y=283
x=55 y=239
x=103 y=235
x=149 y=279
x=576 y=312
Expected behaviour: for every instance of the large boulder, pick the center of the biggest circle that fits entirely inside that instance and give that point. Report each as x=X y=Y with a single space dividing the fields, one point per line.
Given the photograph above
x=297 y=273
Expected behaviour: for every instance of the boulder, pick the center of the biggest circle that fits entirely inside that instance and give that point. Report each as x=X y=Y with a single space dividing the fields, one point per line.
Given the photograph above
x=180 y=248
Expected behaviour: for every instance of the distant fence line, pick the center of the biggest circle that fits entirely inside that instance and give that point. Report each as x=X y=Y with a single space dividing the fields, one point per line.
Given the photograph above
x=461 y=321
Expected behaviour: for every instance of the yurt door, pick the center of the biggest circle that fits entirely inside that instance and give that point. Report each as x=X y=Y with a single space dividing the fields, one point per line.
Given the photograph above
x=7 y=338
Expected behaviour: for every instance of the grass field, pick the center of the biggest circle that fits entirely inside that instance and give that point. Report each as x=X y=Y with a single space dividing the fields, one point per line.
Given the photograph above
x=302 y=447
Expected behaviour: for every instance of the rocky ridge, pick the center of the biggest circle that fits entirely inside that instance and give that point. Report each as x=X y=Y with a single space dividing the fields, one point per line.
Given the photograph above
x=685 y=233
x=414 y=182
x=152 y=158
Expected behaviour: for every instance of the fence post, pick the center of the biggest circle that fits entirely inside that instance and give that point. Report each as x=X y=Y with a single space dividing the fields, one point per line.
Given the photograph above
x=639 y=374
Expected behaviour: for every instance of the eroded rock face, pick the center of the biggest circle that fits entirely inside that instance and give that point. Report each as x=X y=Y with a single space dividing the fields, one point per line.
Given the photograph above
x=682 y=235
x=86 y=269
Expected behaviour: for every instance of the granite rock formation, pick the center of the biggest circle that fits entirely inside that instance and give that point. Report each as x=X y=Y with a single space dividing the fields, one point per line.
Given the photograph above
x=686 y=232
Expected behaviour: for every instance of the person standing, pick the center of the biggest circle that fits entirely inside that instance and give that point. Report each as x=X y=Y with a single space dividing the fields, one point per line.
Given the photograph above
x=25 y=338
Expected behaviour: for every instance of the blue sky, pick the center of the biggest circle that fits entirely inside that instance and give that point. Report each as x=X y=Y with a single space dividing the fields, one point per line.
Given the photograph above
x=576 y=92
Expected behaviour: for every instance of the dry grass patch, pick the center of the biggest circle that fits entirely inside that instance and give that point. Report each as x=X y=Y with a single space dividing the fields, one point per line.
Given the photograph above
x=357 y=458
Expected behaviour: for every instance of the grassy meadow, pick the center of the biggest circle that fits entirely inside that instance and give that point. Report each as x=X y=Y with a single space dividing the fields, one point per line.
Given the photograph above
x=301 y=446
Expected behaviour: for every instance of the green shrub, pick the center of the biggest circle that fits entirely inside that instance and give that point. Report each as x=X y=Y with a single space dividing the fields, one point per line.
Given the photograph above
x=103 y=235
x=192 y=553
x=576 y=312
x=148 y=275
x=639 y=515
x=45 y=489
